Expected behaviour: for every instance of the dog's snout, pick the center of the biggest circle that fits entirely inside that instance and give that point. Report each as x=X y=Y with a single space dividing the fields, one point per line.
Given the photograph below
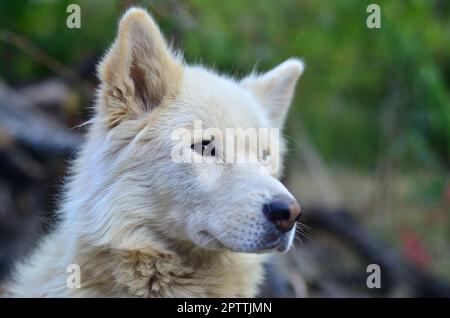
x=283 y=213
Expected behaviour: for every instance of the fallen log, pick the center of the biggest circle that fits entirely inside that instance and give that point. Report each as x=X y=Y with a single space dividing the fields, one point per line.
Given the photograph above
x=32 y=129
x=398 y=273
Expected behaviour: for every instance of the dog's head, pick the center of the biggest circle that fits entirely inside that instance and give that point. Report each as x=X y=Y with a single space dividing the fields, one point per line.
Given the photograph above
x=148 y=95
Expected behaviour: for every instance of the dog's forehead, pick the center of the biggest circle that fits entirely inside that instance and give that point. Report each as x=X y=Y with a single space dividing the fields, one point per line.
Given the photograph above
x=218 y=101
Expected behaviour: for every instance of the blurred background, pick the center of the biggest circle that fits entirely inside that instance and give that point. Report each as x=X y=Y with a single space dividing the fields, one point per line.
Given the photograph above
x=369 y=130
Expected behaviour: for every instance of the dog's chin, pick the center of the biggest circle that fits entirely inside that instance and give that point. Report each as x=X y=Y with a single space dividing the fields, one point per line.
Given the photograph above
x=208 y=241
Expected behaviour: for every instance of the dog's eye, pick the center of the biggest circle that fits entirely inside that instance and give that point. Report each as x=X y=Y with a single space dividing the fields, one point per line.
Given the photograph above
x=205 y=148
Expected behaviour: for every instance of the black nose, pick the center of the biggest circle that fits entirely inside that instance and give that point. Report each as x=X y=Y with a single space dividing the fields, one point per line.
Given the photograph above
x=282 y=213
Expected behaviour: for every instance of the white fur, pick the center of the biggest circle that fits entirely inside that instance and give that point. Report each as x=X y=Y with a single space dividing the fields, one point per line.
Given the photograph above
x=137 y=223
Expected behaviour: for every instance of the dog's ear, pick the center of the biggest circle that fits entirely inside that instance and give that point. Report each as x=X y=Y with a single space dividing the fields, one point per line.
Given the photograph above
x=139 y=71
x=275 y=89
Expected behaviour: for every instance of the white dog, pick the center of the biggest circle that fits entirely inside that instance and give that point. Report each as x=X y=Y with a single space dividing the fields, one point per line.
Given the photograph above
x=135 y=222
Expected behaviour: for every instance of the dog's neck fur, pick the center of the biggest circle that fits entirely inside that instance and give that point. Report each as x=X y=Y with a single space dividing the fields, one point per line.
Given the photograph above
x=109 y=272
x=177 y=273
